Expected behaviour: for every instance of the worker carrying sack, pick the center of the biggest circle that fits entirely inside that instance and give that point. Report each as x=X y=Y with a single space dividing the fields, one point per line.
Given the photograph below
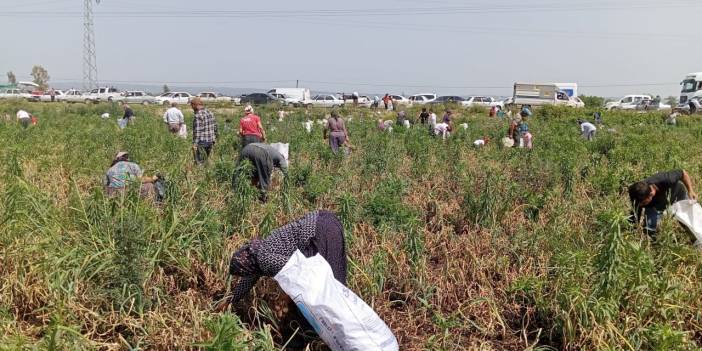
x=340 y=317
x=689 y=213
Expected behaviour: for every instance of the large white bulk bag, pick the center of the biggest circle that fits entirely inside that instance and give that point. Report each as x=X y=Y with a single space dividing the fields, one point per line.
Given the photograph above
x=283 y=148
x=337 y=314
x=689 y=213
x=183 y=131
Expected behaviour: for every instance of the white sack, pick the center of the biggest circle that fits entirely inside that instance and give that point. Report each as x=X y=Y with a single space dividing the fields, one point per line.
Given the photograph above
x=689 y=213
x=338 y=315
x=284 y=149
x=308 y=126
x=183 y=132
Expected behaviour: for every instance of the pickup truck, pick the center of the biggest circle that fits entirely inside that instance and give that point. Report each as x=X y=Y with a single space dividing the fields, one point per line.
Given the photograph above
x=102 y=95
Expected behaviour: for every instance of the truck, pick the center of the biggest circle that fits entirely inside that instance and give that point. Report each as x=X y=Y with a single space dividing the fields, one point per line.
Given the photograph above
x=293 y=95
x=539 y=94
x=691 y=93
x=571 y=89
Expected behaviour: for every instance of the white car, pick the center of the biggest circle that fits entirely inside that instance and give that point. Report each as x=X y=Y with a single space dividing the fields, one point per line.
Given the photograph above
x=485 y=101
x=323 y=101
x=46 y=97
x=102 y=95
x=14 y=94
x=135 y=97
x=628 y=102
x=209 y=96
x=400 y=100
x=180 y=98
x=285 y=99
x=72 y=95
x=421 y=99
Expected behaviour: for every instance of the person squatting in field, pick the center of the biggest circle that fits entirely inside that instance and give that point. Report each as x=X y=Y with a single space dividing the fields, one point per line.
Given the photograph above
x=122 y=172
x=335 y=130
x=654 y=194
x=264 y=159
x=174 y=118
x=24 y=118
x=204 y=131
x=128 y=113
x=587 y=129
x=318 y=232
x=250 y=128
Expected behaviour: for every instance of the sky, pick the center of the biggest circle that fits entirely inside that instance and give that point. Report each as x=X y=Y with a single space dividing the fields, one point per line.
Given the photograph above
x=609 y=47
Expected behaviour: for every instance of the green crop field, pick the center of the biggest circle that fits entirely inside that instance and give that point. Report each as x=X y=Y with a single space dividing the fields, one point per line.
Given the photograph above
x=454 y=247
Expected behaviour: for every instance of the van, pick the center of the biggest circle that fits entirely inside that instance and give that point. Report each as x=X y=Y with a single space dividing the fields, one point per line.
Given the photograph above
x=536 y=94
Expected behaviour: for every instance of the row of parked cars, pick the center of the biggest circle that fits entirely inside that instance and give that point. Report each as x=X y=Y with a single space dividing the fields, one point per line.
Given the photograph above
x=107 y=94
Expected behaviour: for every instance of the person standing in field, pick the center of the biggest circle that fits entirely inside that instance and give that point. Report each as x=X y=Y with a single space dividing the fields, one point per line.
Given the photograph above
x=376 y=102
x=653 y=195
x=24 y=118
x=386 y=101
x=336 y=132
x=174 y=118
x=128 y=113
x=250 y=128
x=122 y=172
x=524 y=134
x=587 y=129
x=424 y=116
x=432 y=120
x=204 y=131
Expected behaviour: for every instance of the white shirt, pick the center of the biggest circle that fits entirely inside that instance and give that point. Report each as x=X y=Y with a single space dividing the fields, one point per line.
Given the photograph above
x=432 y=120
x=587 y=127
x=479 y=142
x=173 y=116
x=440 y=128
x=22 y=114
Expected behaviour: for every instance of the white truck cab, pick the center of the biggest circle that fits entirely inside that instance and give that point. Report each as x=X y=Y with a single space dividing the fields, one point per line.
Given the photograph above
x=691 y=93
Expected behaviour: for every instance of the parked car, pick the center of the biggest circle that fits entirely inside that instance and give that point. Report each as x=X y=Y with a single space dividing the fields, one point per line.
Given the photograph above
x=650 y=105
x=447 y=99
x=102 y=95
x=135 y=97
x=258 y=99
x=72 y=95
x=400 y=100
x=485 y=101
x=626 y=103
x=209 y=96
x=577 y=102
x=324 y=100
x=179 y=97
x=46 y=96
x=292 y=94
x=363 y=100
x=286 y=100
x=14 y=94
x=421 y=99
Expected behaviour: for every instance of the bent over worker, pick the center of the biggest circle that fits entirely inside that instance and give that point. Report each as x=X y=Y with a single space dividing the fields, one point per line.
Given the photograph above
x=654 y=194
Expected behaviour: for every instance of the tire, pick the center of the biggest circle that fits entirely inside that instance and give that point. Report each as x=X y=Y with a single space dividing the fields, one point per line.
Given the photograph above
x=87 y=101
x=166 y=103
x=693 y=109
x=145 y=103
x=109 y=99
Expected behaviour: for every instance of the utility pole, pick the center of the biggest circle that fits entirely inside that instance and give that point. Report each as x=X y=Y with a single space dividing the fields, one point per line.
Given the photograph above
x=90 y=76
x=297 y=83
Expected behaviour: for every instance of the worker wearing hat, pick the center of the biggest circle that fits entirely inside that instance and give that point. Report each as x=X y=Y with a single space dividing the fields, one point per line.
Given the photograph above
x=122 y=172
x=250 y=128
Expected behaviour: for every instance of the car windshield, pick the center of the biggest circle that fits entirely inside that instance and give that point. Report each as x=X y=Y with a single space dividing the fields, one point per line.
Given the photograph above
x=689 y=86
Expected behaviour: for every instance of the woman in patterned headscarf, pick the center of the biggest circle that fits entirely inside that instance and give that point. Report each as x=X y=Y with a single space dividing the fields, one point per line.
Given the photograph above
x=317 y=232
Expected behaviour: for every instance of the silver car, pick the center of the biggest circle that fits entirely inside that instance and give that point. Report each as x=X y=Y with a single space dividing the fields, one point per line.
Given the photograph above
x=135 y=97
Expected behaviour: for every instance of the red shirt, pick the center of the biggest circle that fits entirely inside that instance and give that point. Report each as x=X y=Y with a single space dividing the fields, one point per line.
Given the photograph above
x=249 y=125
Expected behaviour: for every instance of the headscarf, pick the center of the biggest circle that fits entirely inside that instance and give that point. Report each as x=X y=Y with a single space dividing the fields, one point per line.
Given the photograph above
x=244 y=262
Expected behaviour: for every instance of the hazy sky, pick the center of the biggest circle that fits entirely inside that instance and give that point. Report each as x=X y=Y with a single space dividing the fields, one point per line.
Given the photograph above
x=609 y=47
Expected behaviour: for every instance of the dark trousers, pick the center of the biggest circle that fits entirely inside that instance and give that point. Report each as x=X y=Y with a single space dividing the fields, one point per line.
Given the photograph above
x=25 y=122
x=248 y=139
x=202 y=153
x=653 y=215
